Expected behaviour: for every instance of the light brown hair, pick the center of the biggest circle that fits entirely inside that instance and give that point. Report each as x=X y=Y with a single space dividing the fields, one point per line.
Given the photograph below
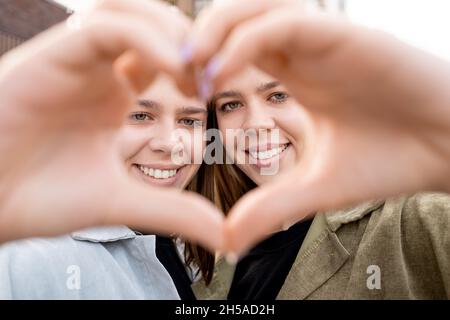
x=223 y=184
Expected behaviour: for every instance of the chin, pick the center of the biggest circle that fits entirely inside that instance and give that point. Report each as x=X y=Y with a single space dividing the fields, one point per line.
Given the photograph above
x=260 y=179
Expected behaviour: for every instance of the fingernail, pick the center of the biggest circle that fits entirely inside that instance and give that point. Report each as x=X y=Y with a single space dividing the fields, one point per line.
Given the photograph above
x=213 y=68
x=205 y=89
x=286 y=226
x=231 y=258
x=187 y=52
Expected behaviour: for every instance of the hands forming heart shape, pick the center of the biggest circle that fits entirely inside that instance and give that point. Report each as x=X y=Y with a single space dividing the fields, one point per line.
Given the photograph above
x=377 y=119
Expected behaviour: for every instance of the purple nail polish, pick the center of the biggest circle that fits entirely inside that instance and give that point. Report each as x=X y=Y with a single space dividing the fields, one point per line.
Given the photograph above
x=212 y=68
x=204 y=89
x=187 y=52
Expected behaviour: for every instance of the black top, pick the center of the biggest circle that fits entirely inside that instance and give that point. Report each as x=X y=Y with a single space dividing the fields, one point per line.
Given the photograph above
x=167 y=254
x=261 y=273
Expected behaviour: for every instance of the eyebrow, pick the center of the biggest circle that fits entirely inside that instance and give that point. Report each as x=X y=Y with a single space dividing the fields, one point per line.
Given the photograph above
x=234 y=94
x=267 y=86
x=226 y=94
x=191 y=110
x=150 y=104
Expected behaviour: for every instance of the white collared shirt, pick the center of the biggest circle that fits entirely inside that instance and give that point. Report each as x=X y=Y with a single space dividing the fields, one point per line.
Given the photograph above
x=96 y=263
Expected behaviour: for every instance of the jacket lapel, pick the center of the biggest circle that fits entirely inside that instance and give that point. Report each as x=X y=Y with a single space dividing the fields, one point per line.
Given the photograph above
x=220 y=283
x=315 y=264
x=322 y=253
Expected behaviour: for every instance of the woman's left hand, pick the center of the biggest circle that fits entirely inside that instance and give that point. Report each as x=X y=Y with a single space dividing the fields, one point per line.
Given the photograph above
x=378 y=109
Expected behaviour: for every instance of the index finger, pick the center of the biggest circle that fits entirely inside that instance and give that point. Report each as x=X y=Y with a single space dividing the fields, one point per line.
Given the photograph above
x=168 y=18
x=215 y=23
x=166 y=212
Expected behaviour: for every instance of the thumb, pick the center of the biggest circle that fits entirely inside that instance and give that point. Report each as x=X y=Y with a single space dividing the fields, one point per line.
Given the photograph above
x=165 y=211
x=270 y=208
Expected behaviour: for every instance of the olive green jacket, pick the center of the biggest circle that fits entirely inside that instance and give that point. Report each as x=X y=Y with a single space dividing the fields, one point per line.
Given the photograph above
x=393 y=249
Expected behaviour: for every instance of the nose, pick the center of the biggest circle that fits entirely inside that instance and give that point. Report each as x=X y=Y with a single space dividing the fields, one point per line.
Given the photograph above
x=164 y=140
x=258 y=117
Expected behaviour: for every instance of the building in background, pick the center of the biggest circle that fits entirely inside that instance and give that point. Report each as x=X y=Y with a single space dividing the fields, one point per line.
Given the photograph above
x=193 y=7
x=20 y=20
x=190 y=7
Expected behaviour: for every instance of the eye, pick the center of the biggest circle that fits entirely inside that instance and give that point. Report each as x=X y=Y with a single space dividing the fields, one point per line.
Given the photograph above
x=230 y=106
x=278 y=97
x=140 y=117
x=191 y=122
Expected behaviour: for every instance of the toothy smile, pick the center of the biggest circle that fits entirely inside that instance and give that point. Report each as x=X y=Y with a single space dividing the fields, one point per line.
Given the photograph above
x=268 y=154
x=158 y=173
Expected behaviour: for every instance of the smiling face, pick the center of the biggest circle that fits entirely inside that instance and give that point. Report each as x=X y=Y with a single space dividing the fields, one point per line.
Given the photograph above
x=151 y=136
x=257 y=104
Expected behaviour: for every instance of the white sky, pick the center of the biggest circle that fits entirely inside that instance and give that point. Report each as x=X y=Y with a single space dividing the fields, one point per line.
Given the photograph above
x=76 y=4
x=424 y=23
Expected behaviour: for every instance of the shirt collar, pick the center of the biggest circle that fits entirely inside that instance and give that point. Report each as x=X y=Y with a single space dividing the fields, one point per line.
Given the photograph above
x=336 y=219
x=104 y=234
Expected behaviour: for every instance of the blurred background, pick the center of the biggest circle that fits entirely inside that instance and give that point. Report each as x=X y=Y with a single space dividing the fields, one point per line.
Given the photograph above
x=422 y=23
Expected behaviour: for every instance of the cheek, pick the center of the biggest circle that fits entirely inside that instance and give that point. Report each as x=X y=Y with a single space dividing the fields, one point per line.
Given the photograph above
x=130 y=141
x=294 y=130
x=196 y=145
x=229 y=128
x=293 y=123
x=233 y=120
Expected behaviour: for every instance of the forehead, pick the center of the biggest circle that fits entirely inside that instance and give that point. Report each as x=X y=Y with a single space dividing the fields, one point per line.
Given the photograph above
x=164 y=91
x=248 y=80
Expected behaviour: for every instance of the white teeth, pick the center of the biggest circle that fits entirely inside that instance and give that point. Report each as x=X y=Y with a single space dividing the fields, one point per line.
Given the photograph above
x=158 y=173
x=264 y=155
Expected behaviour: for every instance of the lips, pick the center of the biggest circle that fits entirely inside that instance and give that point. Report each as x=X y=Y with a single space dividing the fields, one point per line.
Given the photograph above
x=159 y=175
x=267 y=153
x=265 y=156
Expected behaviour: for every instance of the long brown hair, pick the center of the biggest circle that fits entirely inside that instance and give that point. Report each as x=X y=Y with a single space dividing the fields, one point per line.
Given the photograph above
x=223 y=184
x=230 y=183
x=203 y=184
